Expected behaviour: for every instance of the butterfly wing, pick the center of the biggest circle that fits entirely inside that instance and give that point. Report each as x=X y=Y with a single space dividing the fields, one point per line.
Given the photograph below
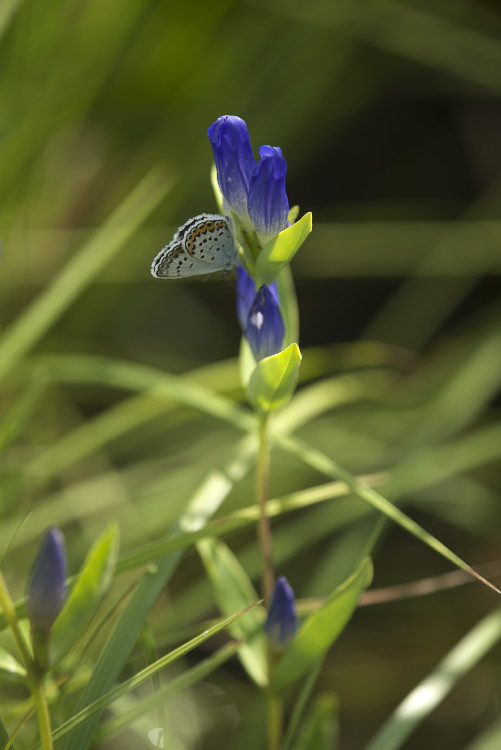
x=173 y=262
x=208 y=238
x=201 y=245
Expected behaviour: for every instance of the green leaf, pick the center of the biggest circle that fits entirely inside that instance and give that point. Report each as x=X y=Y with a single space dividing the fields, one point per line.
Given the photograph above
x=300 y=702
x=217 y=190
x=246 y=361
x=16 y=417
x=288 y=305
x=233 y=591
x=490 y=739
x=84 y=266
x=274 y=380
x=184 y=680
x=94 y=579
x=431 y=691
x=320 y=730
x=322 y=628
x=281 y=250
x=96 y=707
x=324 y=464
x=4 y=737
x=10 y=669
x=203 y=504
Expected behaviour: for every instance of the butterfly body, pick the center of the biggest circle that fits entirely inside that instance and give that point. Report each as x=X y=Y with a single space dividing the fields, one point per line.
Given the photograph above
x=201 y=245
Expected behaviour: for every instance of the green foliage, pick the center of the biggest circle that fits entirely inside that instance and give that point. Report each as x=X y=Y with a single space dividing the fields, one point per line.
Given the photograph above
x=10 y=669
x=321 y=629
x=96 y=707
x=234 y=591
x=427 y=695
x=320 y=731
x=121 y=398
x=92 y=582
x=274 y=379
x=280 y=251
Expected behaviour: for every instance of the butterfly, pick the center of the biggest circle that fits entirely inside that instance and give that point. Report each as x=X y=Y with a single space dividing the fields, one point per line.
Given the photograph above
x=201 y=245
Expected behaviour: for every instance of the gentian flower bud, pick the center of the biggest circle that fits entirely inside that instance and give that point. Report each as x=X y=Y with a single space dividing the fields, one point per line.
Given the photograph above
x=281 y=623
x=265 y=329
x=47 y=589
x=234 y=160
x=268 y=204
x=254 y=192
x=246 y=293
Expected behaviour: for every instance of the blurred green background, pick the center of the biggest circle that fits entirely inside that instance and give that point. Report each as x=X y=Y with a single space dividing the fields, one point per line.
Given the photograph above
x=389 y=115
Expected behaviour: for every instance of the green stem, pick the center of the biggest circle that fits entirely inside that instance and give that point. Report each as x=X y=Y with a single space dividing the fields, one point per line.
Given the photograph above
x=33 y=679
x=273 y=702
x=264 y=530
x=9 y=611
x=43 y=715
x=275 y=721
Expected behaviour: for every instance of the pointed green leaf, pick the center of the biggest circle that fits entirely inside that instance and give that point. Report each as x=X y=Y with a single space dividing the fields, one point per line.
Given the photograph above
x=94 y=579
x=246 y=362
x=274 y=379
x=233 y=591
x=10 y=669
x=217 y=190
x=431 y=691
x=322 y=628
x=288 y=305
x=490 y=739
x=320 y=730
x=282 y=248
x=95 y=708
x=183 y=681
x=4 y=737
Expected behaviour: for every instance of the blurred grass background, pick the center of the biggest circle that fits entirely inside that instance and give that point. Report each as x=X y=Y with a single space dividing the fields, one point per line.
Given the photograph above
x=389 y=114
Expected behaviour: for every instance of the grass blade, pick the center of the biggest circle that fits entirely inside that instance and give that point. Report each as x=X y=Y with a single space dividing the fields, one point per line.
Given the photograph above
x=432 y=690
x=96 y=707
x=319 y=461
x=79 y=271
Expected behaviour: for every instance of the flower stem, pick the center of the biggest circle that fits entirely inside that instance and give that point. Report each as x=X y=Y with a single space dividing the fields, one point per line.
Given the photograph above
x=9 y=611
x=273 y=702
x=264 y=530
x=33 y=679
x=43 y=715
x=275 y=720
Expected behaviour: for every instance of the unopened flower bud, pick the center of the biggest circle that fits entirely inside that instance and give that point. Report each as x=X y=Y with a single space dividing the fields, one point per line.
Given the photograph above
x=47 y=589
x=281 y=623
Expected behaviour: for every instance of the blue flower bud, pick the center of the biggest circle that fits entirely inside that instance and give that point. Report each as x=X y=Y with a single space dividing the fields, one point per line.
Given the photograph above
x=234 y=161
x=281 y=623
x=246 y=294
x=268 y=204
x=265 y=329
x=254 y=192
x=47 y=589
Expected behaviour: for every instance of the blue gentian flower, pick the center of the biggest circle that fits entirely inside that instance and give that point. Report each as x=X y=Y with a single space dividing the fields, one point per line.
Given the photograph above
x=265 y=328
x=47 y=589
x=246 y=294
x=281 y=623
x=254 y=192
x=234 y=160
x=268 y=204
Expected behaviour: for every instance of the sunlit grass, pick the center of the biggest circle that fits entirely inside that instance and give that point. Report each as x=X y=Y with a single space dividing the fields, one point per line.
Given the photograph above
x=121 y=396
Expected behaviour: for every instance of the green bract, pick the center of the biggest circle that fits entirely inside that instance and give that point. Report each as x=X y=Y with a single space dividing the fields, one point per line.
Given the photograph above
x=273 y=380
x=279 y=252
x=322 y=628
x=10 y=669
x=233 y=591
x=94 y=579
